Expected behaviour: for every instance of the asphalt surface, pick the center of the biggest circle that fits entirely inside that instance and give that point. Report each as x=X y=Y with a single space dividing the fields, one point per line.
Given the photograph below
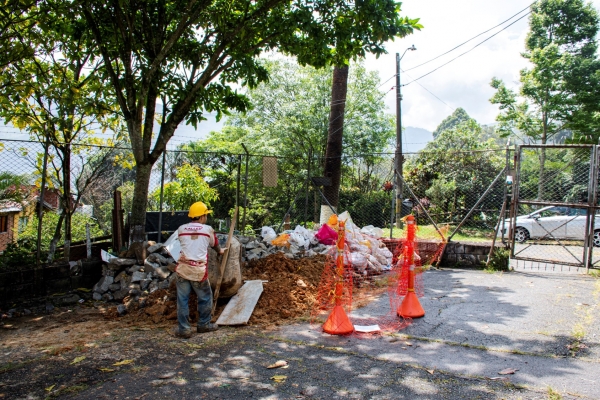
x=544 y=327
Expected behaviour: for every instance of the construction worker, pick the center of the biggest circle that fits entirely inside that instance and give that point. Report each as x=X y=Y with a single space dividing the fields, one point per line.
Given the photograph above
x=192 y=270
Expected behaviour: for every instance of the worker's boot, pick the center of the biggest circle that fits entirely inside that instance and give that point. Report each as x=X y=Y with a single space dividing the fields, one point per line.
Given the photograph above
x=207 y=328
x=182 y=334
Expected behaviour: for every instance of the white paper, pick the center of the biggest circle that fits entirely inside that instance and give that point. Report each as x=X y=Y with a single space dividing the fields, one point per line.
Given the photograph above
x=106 y=256
x=367 y=328
x=173 y=246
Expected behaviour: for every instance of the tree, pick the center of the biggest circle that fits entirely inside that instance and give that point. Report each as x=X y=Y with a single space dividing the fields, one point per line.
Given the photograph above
x=56 y=95
x=191 y=55
x=289 y=119
x=189 y=188
x=453 y=170
x=380 y=11
x=14 y=187
x=560 y=90
x=456 y=118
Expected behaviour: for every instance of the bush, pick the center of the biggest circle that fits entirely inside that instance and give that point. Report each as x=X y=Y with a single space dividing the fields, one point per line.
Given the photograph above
x=499 y=260
x=19 y=255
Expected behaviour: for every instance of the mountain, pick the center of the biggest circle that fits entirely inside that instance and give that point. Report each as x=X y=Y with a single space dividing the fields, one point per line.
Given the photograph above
x=415 y=139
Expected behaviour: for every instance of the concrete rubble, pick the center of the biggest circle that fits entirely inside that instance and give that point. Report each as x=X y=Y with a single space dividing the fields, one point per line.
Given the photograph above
x=140 y=271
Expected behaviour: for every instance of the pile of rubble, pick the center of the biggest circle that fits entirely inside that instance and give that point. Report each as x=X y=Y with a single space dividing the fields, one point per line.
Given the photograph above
x=256 y=248
x=133 y=275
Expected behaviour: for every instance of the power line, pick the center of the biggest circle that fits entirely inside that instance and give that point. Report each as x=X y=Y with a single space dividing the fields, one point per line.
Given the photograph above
x=473 y=48
x=474 y=37
x=431 y=93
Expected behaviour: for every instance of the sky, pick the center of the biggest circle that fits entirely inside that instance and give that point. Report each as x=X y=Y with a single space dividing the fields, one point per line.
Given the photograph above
x=466 y=81
x=463 y=83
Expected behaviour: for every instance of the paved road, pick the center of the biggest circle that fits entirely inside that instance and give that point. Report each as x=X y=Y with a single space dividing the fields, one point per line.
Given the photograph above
x=544 y=326
x=555 y=253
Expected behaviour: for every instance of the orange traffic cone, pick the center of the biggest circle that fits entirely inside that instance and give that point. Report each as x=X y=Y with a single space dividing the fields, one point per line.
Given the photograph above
x=410 y=306
x=338 y=322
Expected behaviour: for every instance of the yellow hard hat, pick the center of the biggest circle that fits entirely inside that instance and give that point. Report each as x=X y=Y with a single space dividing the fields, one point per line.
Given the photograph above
x=198 y=209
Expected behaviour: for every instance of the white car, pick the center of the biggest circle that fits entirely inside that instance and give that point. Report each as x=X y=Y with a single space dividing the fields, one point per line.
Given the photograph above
x=555 y=222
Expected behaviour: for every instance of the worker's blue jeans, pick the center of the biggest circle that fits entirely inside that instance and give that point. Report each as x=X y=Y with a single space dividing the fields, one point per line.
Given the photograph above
x=204 y=293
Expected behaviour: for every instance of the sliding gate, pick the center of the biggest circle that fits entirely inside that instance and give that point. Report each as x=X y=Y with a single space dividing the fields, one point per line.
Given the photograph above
x=553 y=222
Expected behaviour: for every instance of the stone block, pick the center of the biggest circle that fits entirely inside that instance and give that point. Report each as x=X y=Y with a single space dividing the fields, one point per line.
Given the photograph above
x=103 y=284
x=154 y=248
x=138 y=276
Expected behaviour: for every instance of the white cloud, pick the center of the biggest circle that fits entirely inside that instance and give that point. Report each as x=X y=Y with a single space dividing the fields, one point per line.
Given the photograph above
x=464 y=82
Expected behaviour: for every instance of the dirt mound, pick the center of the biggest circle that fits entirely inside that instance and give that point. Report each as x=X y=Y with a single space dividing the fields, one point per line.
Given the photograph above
x=288 y=293
x=291 y=288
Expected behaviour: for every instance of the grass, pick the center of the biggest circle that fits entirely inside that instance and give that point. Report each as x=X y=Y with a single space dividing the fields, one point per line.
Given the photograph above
x=553 y=394
x=428 y=232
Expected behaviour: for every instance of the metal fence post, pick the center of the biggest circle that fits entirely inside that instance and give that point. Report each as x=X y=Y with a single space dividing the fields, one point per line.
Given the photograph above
x=160 y=207
x=245 y=205
x=307 y=185
x=237 y=192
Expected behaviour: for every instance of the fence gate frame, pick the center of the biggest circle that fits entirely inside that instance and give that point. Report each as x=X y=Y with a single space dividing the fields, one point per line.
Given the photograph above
x=591 y=206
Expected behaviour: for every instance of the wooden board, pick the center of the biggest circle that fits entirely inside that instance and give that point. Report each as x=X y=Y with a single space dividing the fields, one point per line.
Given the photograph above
x=224 y=262
x=239 y=309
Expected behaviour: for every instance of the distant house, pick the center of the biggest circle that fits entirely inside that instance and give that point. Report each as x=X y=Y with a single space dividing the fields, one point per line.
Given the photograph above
x=15 y=215
x=9 y=222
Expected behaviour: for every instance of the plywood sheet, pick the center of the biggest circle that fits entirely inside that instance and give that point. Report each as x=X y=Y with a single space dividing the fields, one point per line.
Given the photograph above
x=239 y=309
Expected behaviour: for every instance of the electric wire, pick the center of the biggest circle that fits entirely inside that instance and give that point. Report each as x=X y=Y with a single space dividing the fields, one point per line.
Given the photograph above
x=467 y=41
x=468 y=51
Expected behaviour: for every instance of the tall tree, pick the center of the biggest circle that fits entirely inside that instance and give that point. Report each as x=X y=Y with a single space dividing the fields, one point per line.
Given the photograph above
x=560 y=90
x=54 y=92
x=192 y=54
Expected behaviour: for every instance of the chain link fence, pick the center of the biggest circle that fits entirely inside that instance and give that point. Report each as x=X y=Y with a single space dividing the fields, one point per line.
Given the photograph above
x=462 y=191
x=555 y=207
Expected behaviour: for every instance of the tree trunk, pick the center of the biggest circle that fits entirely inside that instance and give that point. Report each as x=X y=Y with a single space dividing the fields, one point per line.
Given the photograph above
x=333 y=153
x=55 y=238
x=66 y=200
x=140 y=201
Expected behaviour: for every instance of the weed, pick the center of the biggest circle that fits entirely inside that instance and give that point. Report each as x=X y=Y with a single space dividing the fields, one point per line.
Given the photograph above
x=67 y=390
x=578 y=332
x=553 y=394
x=498 y=260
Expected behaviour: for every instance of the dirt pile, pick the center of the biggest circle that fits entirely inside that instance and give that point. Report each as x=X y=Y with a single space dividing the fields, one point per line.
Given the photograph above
x=289 y=292
x=291 y=288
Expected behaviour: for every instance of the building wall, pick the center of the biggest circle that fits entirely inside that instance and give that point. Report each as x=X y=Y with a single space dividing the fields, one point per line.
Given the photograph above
x=13 y=226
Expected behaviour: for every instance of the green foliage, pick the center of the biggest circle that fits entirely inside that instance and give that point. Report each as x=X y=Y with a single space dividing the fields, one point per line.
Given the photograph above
x=560 y=91
x=453 y=169
x=19 y=255
x=103 y=212
x=14 y=187
x=367 y=208
x=456 y=118
x=49 y=222
x=188 y=188
x=499 y=260
x=193 y=57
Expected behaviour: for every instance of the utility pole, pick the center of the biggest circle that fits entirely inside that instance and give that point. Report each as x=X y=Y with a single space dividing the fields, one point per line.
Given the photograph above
x=398 y=155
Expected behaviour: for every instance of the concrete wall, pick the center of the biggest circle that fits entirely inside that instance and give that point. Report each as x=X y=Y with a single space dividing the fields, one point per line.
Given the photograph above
x=455 y=254
x=458 y=254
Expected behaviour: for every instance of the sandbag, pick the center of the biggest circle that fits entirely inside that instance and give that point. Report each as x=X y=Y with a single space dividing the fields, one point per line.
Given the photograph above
x=232 y=276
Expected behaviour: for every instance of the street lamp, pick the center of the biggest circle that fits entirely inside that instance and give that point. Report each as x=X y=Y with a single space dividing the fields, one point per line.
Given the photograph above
x=399 y=160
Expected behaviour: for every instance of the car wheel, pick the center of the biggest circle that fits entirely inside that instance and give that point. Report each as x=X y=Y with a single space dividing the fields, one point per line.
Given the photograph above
x=596 y=240
x=521 y=234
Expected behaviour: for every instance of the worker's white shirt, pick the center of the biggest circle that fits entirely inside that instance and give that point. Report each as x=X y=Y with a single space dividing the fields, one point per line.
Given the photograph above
x=195 y=239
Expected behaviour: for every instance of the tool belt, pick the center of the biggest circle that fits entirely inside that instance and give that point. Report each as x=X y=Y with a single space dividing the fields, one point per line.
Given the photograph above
x=192 y=270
